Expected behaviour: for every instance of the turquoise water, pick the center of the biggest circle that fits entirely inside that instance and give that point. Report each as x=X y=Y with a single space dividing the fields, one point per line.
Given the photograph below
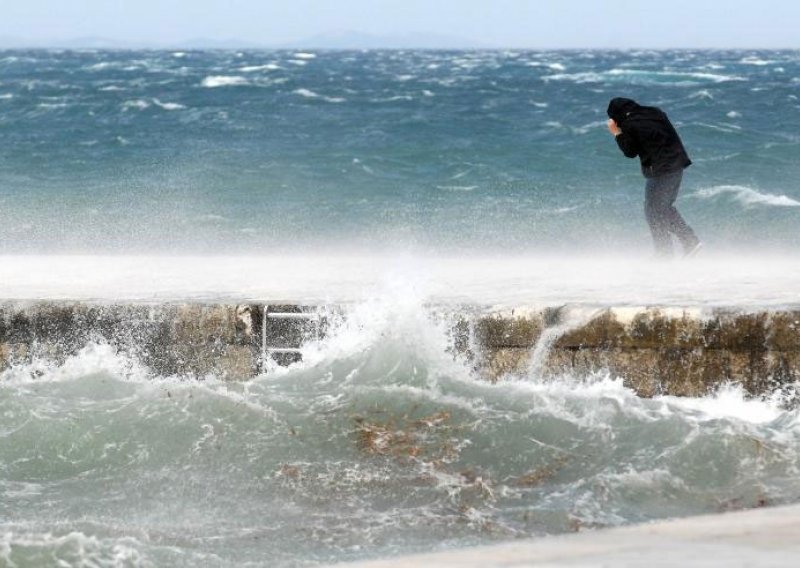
x=237 y=152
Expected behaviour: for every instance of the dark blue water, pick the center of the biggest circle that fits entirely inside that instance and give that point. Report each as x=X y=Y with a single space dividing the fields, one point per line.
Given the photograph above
x=256 y=151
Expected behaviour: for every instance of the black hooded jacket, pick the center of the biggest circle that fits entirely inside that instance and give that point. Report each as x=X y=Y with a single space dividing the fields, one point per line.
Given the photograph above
x=648 y=133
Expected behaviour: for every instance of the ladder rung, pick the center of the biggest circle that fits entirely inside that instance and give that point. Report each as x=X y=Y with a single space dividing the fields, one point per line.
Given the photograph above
x=291 y=315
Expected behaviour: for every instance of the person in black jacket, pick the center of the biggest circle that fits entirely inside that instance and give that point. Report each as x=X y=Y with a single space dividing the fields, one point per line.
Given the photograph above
x=646 y=132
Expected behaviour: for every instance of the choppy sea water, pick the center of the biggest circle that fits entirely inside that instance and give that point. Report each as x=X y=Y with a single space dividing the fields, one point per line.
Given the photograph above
x=260 y=151
x=369 y=177
x=380 y=443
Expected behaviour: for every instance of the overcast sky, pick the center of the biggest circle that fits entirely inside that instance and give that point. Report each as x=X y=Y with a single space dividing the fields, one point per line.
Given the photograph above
x=501 y=23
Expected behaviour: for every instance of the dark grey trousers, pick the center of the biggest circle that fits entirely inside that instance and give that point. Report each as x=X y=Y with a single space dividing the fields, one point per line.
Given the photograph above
x=663 y=218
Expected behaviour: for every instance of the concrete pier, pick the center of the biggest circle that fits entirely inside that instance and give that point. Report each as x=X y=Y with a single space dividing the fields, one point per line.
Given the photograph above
x=759 y=537
x=656 y=351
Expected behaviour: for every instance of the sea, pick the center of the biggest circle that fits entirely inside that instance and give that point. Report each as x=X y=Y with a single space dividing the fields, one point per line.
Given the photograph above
x=386 y=182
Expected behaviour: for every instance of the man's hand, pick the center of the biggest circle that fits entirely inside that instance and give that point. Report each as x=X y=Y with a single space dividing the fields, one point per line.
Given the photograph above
x=613 y=128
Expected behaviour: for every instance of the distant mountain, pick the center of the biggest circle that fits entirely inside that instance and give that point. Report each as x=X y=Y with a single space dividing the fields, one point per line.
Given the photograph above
x=334 y=40
x=88 y=42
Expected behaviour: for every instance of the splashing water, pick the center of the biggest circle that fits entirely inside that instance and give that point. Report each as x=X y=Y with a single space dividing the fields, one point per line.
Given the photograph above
x=381 y=442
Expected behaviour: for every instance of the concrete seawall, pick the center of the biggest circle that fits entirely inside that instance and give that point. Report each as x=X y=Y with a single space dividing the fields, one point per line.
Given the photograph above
x=656 y=351
x=759 y=537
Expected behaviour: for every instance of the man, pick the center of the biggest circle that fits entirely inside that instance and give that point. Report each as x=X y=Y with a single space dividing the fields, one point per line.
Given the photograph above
x=647 y=132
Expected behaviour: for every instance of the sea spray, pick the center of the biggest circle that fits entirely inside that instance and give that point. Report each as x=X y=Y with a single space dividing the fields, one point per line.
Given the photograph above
x=564 y=319
x=381 y=441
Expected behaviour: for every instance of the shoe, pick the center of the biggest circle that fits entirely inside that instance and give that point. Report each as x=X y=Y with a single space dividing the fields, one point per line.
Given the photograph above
x=692 y=252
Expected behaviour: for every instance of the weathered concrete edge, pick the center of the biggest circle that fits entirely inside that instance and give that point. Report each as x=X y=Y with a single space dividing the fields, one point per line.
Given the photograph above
x=655 y=350
x=757 y=537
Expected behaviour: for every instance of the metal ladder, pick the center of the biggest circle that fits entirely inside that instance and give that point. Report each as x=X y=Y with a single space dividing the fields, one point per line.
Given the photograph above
x=267 y=351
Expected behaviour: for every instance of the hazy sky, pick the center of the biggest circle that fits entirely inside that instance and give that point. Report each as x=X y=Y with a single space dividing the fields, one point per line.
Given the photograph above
x=512 y=23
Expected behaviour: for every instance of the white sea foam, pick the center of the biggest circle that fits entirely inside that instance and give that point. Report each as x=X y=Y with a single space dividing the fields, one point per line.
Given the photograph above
x=393 y=99
x=214 y=81
x=312 y=95
x=304 y=55
x=211 y=217
x=457 y=187
x=586 y=128
x=702 y=94
x=112 y=88
x=6 y=96
x=747 y=196
x=643 y=76
x=254 y=68
x=138 y=104
x=168 y=106
x=73 y=549
x=753 y=60
x=730 y=401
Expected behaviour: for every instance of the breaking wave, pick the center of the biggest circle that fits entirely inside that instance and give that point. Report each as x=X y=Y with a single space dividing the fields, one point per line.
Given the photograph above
x=214 y=81
x=747 y=196
x=380 y=442
x=637 y=76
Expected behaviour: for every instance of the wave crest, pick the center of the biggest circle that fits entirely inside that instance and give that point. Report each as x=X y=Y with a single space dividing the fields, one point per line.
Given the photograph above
x=747 y=196
x=213 y=81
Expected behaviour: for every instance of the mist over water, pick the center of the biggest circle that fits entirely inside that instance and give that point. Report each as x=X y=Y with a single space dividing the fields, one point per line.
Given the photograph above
x=247 y=152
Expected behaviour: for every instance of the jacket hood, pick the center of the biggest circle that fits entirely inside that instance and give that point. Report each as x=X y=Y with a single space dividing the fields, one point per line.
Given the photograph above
x=619 y=109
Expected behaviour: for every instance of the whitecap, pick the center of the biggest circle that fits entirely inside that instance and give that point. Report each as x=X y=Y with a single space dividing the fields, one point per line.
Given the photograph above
x=254 y=68
x=428 y=93
x=702 y=94
x=138 y=104
x=640 y=75
x=211 y=217
x=733 y=114
x=312 y=95
x=561 y=210
x=457 y=187
x=179 y=54
x=111 y=88
x=168 y=106
x=100 y=66
x=586 y=128
x=6 y=96
x=299 y=62
x=213 y=81
x=305 y=55
x=727 y=128
x=556 y=66
x=392 y=99
x=747 y=196
x=753 y=60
